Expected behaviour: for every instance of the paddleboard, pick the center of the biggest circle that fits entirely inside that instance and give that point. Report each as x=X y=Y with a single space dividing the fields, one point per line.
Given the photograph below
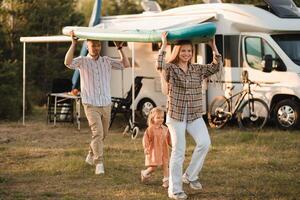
x=196 y=32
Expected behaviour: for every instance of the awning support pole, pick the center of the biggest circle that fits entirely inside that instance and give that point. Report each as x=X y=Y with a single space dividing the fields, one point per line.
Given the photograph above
x=24 y=79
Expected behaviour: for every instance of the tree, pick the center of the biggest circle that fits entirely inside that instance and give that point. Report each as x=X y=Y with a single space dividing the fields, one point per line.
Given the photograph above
x=121 y=7
x=27 y=18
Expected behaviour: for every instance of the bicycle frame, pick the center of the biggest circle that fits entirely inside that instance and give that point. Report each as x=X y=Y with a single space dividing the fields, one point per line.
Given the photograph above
x=241 y=96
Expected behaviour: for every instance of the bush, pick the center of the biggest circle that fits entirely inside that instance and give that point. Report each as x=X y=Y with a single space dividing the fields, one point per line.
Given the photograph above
x=10 y=90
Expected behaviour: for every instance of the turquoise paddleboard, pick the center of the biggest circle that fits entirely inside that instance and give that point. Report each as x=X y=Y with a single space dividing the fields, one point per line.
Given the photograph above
x=196 y=32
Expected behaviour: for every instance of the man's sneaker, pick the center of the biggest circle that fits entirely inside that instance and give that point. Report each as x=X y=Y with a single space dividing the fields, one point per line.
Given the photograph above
x=195 y=185
x=180 y=195
x=165 y=182
x=89 y=159
x=144 y=176
x=99 y=168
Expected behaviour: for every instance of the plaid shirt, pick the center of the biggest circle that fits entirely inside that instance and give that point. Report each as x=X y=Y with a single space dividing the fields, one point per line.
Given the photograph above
x=185 y=89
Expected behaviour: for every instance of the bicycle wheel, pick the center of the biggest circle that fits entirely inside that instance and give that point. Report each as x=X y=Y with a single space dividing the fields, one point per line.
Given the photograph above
x=253 y=114
x=218 y=113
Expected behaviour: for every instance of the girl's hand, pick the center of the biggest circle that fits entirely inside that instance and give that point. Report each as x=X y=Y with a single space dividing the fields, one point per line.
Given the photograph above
x=146 y=151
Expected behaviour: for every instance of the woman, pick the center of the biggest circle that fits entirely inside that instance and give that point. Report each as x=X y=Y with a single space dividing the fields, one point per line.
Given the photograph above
x=184 y=111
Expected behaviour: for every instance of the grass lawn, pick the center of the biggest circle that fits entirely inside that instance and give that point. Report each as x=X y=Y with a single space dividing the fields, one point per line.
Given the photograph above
x=40 y=161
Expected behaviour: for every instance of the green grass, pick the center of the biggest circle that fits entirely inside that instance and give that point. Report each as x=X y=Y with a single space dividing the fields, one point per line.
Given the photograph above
x=45 y=162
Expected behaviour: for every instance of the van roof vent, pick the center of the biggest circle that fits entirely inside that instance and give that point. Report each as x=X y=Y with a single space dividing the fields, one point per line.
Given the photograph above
x=283 y=9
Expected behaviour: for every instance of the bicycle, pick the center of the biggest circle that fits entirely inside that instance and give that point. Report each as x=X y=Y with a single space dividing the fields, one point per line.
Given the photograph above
x=252 y=113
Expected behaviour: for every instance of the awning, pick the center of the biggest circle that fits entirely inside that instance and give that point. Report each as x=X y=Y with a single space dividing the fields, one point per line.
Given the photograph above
x=45 y=39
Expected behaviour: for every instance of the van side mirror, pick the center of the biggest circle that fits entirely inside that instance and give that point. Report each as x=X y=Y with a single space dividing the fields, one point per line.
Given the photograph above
x=280 y=66
x=268 y=64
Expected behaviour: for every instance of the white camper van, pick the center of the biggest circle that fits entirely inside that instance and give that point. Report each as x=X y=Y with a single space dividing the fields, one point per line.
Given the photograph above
x=246 y=34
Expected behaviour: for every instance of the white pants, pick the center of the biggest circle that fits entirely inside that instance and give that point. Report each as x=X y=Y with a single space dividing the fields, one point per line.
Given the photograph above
x=198 y=130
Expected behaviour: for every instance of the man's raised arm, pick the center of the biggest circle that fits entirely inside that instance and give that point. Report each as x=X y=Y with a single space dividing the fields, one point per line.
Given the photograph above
x=70 y=53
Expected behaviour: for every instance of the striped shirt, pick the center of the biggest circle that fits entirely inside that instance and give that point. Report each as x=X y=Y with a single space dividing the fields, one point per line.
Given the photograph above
x=184 y=88
x=95 y=76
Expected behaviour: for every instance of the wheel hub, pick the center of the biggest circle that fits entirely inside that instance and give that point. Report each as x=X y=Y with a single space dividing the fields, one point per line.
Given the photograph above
x=286 y=115
x=147 y=106
x=253 y=117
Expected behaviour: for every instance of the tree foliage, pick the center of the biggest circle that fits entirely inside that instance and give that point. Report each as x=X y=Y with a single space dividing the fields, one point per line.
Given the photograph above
x=31 y=18
x=121 y=7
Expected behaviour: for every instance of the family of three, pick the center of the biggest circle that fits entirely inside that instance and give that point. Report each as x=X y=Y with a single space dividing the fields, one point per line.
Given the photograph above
x=184 y=110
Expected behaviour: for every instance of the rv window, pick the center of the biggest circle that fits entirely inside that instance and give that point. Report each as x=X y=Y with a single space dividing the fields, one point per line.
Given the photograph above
x=256 y=48
x=112 y=44
x=283 y=9
x=231 y=49
x=253 y=52
x=290 y=44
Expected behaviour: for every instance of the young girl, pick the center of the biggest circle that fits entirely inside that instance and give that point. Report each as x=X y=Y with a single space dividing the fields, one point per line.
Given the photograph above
x=155 y=142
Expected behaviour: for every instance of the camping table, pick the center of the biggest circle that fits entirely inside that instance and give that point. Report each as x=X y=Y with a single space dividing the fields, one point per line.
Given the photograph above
x=64 y=97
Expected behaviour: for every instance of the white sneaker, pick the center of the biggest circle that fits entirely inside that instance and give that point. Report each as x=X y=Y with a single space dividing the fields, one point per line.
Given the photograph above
x=144 y=176
x=195 y=185
x=89 y=159
x=165 y=182
x=99 y=169
x=178 y=196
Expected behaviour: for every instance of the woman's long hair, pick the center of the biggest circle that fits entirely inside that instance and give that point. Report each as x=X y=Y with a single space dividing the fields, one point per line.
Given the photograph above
x=174 y=58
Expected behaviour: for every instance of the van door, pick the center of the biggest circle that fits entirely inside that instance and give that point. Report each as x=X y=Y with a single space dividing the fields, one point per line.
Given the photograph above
x=255 y=47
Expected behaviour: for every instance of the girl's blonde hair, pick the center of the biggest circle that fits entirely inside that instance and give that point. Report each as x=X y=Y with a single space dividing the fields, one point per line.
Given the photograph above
x=153 y=112
x=174 y=58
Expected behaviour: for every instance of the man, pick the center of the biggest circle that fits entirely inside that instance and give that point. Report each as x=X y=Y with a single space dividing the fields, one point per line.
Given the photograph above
x=95 y=74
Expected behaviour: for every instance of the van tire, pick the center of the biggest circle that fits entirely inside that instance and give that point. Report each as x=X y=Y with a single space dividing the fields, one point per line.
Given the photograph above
x=286 y=114
x=144 y=107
